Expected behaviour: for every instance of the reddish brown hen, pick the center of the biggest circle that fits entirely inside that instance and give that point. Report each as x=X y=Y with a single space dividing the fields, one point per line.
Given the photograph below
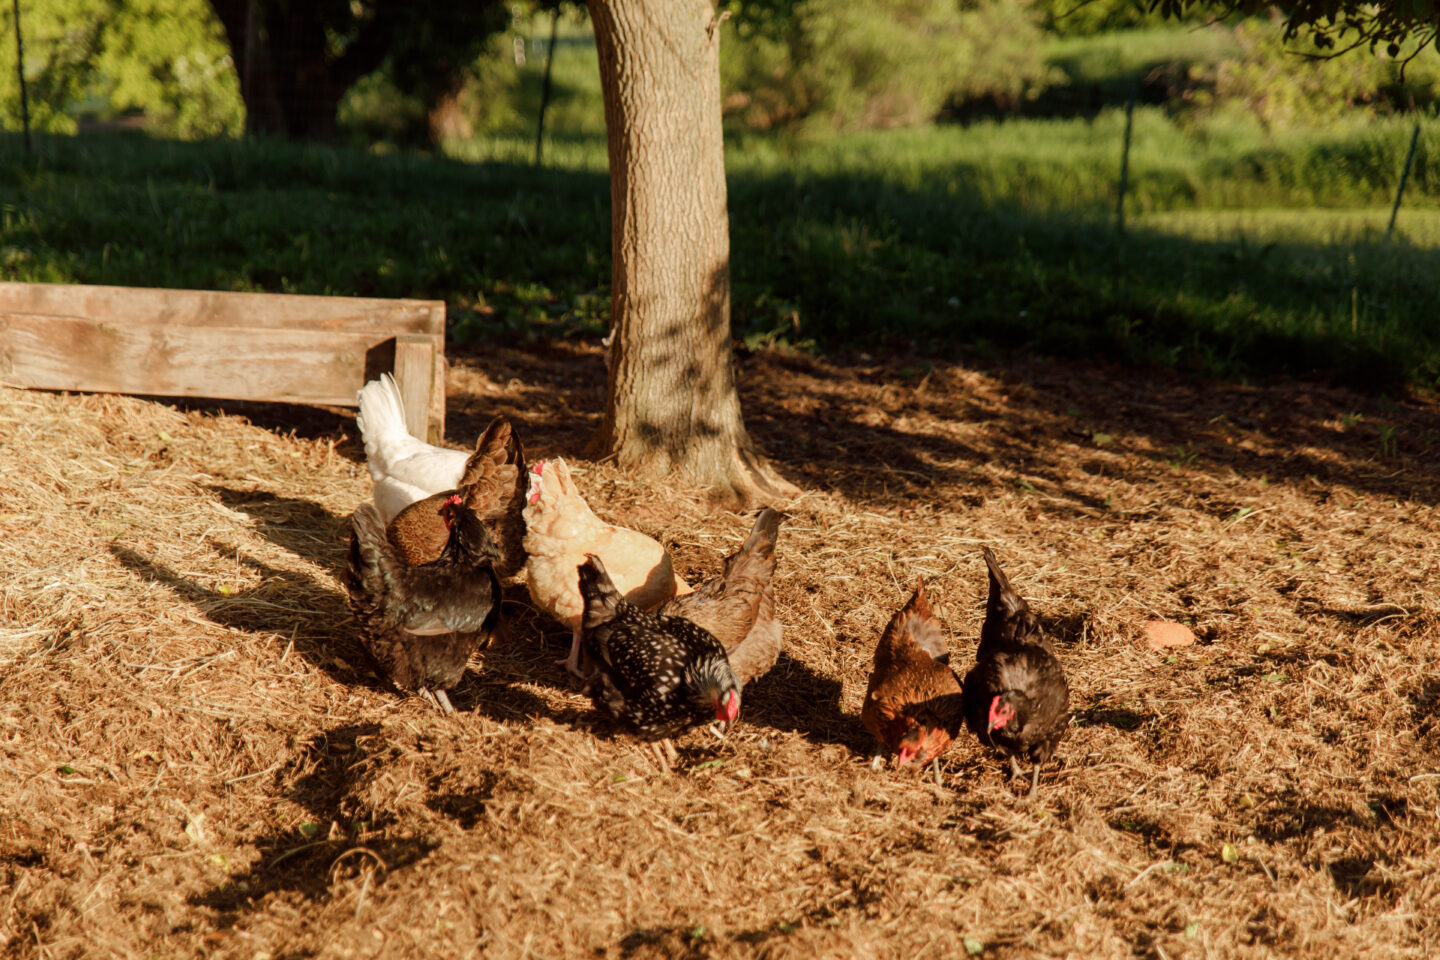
x=913 y=704
x=493 y=488
x=738 y=607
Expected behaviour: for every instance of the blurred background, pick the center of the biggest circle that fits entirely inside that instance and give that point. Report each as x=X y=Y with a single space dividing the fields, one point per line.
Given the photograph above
x=913 y=175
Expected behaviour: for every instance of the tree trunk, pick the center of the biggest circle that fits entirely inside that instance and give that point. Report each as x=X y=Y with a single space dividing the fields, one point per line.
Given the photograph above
x=290 y=79
x=672 y=403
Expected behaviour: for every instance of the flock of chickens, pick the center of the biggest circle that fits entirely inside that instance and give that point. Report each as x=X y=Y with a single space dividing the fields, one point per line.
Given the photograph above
x=429 y=559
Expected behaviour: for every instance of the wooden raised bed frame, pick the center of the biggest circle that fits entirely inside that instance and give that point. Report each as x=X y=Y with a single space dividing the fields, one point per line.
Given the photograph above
x=233 y=346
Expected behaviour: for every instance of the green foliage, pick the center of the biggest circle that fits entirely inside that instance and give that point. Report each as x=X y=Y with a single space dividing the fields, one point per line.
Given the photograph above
x=167 y=58
x=498 y=92
x=1293 y=83
x=170 y=59
x=1122 y=58
x=1087 y=18
x=1335 y=25
x=62 y=40
x=937 y=240
x=835 y=64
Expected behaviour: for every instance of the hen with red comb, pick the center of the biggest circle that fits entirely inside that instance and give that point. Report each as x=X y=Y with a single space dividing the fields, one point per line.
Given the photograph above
x=420 y=622
x=912 y=704
x=659 y=674
x=1016 y=697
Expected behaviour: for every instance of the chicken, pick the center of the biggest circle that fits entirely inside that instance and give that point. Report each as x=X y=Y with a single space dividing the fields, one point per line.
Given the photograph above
x=657 y=673
x=403 y=468
x=738 y=607
x=561 y=530
x=1016 y=697
x=422 y=622
x=912 y=704
x=493 y=488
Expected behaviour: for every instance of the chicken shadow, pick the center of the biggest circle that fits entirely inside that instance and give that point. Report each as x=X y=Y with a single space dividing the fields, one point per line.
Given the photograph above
x=495 y=689
x=338 y=837
x=301 y=527
x=1117 y=715
x=792 y=697
x=302 y=420
x=315 y=618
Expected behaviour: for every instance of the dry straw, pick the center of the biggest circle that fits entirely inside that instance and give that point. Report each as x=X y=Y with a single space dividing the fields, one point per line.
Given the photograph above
x=195 y=759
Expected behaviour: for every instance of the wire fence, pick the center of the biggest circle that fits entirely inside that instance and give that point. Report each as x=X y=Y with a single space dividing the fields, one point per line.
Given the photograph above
x=544 y=67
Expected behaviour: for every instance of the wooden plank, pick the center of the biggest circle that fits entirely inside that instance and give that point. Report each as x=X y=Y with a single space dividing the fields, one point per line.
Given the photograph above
x=212 y=308
x=415 y=376
x=436 y=431
x=167 y=359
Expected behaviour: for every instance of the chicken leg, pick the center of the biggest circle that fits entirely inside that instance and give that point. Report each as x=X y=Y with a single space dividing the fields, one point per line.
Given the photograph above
x=572 y=662
x=437 y=699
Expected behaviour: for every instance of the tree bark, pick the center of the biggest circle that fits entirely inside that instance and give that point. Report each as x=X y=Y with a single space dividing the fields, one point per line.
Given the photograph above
x=290 y=80
x=672 y=403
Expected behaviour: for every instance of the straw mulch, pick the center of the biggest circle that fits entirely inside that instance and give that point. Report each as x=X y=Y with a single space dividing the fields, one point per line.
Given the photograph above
x=196 y=759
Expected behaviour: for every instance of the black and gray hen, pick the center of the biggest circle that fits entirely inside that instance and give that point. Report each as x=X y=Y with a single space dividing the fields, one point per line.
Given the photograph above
x=1016 y=697
x=422 y=622
x=659 y=674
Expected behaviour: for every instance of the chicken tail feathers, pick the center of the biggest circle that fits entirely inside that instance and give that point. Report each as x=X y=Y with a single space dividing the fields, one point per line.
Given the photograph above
x=602 y=600
x=755 y=560
x=381 y=420
x=764 y=533
x=370 y=562
x=496 y=448
x=915 y=622
x=1003 y=600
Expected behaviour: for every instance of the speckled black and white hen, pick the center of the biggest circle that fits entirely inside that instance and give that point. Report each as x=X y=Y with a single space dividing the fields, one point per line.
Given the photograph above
x=422 y=622
x=658 y=674
x=1016 y=697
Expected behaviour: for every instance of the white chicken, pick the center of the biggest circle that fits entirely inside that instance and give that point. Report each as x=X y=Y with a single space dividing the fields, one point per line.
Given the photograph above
x=403 y=468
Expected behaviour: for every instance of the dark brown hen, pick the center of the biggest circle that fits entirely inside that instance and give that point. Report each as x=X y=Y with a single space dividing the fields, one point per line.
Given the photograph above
x=1016 y=697
x=421 y=622
x=493 y=487
x=738 y=607
x=656 y=673
x=912 y=704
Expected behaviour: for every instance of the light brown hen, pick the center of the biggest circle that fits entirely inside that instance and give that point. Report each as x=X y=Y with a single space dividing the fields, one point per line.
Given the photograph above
x=738 y=606
x=561 y=531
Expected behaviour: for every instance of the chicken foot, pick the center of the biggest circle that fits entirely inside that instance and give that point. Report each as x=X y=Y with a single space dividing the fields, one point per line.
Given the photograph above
x=665 y=753
x=438 y=699
x=572 y=662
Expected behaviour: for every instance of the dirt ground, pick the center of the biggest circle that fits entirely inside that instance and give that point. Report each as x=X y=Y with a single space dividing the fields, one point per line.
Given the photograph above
x=195 y=759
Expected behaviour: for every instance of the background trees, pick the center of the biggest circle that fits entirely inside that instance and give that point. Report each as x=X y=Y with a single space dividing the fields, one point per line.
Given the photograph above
x=297 y=58
x=854 y=259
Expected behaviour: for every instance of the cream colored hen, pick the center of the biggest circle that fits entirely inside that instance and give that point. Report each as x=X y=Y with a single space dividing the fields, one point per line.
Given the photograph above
x=560 y=529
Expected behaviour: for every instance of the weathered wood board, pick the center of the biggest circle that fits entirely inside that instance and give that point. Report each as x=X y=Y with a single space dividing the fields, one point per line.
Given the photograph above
x=242 y=346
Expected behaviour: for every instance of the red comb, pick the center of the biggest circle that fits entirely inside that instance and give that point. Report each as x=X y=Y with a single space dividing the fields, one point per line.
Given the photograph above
x=455 y=499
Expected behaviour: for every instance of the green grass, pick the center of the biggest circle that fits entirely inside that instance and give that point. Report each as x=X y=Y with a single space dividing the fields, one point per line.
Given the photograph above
x=1244 y=255
x=1124 y=57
